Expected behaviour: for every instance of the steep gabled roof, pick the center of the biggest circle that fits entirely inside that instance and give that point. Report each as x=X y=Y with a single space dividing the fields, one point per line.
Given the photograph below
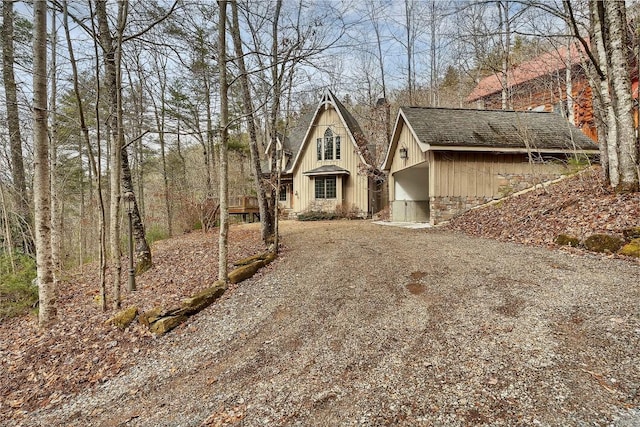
x=355 y=134
x=489 y=130
x=545 y=64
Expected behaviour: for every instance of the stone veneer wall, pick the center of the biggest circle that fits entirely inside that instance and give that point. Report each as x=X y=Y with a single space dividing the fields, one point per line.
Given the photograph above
x=513 y=183
x=444 y=208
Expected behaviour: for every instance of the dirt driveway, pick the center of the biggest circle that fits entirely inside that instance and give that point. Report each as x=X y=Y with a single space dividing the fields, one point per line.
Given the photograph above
x=359 y=324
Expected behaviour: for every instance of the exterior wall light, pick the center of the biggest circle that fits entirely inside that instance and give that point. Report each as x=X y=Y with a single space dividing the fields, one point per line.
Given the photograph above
x=403 y=153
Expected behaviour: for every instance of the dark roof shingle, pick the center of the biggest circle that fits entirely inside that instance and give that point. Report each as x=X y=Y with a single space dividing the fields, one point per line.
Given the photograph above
x=537 y=131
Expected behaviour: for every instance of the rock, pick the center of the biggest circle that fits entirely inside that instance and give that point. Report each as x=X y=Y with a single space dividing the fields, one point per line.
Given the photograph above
x=165 y=324
x=603 y=243
x=202 y=299
x=251 y=259
x=567 y=240
x=151 y=316
x=270 y=257
x=265 y=256
x=631 y=233
x=124 y=318
x=631 y=249
x=245 y=271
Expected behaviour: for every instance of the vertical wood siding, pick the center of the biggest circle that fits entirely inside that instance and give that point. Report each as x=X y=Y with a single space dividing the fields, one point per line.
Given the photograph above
x=354 y=187
x=414 y=156
x=484 y=174
x=473 y=174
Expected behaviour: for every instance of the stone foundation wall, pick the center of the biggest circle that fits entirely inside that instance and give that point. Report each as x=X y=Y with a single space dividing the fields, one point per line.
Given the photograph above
x=512 y=183
x=445 y=208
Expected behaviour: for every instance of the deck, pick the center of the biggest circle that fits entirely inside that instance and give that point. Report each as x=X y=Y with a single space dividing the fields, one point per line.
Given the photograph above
x=247 y=206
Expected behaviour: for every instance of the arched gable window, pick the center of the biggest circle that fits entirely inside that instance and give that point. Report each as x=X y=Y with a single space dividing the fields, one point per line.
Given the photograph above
x=328 y=148
x=328 y=144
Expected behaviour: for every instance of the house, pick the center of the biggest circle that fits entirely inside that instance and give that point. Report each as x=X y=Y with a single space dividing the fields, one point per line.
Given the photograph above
x=541 y=85
x=442 y=162
x=326 y=165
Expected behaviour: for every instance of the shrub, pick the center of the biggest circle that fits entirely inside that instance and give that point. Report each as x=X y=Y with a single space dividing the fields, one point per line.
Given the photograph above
x=17 y=292
x=316 y=216
x=348 y=212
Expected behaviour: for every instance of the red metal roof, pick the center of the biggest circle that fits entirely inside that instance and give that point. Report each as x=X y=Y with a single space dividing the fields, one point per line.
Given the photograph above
x=543 y=65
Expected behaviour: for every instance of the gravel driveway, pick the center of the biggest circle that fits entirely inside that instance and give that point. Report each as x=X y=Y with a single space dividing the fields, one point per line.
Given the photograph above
x=359 y=324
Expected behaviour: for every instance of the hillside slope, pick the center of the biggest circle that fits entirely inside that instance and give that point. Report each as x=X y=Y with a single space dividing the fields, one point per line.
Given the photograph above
x=579 y=205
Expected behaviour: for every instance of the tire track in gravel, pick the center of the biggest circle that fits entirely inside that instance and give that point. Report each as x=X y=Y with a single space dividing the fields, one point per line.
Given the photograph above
x=333 y=334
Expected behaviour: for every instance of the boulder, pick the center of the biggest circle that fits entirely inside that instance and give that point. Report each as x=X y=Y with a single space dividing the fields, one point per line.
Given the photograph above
x=567 y=240
x=631 y=249
x=603 y=243
x=245 y=271
x=631 y=233
x=124 y=318
x=202 y=299
x=148 y=317
x=268 y=256
x=165 y=324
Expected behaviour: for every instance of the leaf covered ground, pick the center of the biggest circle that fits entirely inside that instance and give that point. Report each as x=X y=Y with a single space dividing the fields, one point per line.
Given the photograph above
x=42 y=370
x=40 y=367
x=579 y=206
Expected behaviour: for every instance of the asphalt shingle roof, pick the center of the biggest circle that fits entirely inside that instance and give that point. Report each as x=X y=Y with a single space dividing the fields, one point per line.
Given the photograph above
x=327 y=169
x=537 y=131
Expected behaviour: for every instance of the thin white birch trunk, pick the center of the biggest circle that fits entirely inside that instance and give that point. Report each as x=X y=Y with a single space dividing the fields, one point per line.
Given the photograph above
x=621 y=87
x=41 y=182
x=224 y=119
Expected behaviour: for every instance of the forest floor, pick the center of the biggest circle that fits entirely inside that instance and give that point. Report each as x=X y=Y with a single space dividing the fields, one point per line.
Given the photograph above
x=358 y=324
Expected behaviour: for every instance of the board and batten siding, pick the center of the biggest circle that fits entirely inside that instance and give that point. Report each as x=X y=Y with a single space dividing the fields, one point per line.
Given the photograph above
x=472 y=174
x=354 y=186
x=414 y=156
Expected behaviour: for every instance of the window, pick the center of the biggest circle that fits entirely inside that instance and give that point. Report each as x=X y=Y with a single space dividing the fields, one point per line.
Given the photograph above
x=328 y=144
x=328 y=148
x=325 y=187
x=283 y=194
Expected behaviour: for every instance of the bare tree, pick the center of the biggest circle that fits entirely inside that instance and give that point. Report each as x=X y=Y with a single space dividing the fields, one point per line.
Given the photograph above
x=612 y=87
x=93 y=163
x=223 y=146
x=247 y=104
x=111 y=57
x=41 y=183
x=13 y=125
x=56 y=206
x=618 y=41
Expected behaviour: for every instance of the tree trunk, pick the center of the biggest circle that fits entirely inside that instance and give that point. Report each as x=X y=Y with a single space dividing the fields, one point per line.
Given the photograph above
x=251 y=125
x=598 y=28
x=56 y=209
x=224 y=120
x=94 y=166
x=41 y=183
x=622 y=97
x=143 y=252
x=503 y=10
x=408 y=11
x=110 y=54
x=276 y=82
x=13 y=126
